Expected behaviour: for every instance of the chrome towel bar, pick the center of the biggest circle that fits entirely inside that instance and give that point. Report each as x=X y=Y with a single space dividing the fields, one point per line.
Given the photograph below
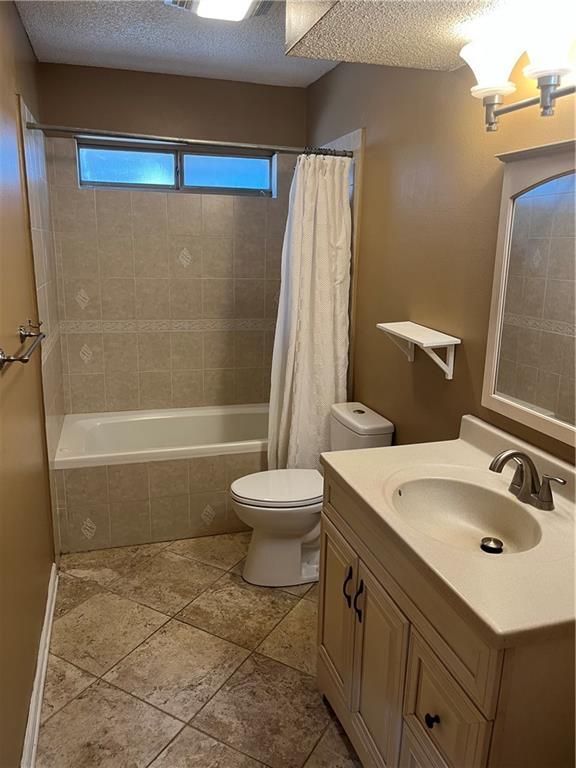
x=24 y=334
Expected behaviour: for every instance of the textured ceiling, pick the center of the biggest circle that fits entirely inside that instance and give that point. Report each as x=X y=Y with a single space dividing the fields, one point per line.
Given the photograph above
x=149 y=36
x=424 y=34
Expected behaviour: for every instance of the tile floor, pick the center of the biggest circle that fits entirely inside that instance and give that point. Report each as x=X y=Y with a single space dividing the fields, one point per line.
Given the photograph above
x=162 y=656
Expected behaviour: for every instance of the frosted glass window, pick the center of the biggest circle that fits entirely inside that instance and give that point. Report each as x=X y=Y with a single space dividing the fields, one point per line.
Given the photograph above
x=122 y=167
x=228 y=172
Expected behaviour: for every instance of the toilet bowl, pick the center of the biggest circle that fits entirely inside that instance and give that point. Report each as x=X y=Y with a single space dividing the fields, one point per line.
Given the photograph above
x=283 y=506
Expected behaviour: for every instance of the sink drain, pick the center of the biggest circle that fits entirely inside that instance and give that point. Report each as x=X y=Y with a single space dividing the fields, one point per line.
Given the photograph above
x=492 y=545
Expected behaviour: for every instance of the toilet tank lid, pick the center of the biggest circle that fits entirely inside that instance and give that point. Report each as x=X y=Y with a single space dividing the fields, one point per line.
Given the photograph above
x=361 y=419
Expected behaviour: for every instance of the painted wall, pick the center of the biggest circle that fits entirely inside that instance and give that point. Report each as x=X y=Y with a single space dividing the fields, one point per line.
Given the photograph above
x=190 y=107
x=26 y=552
x=430 y=201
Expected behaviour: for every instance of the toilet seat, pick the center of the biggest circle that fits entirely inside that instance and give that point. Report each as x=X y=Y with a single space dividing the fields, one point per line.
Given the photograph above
x=279 y=488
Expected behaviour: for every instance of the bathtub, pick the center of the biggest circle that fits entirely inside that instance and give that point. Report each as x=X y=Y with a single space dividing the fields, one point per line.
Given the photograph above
x=139 y=477
x=99 y=439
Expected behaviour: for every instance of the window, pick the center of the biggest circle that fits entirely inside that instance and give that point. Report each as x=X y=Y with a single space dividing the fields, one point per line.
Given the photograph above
x=175 y=169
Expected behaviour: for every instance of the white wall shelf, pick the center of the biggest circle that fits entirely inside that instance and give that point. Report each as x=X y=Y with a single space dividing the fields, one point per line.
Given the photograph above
x=426 y=338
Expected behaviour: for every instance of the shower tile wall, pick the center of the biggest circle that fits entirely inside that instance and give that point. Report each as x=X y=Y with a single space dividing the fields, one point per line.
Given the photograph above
x=167 y=299
x=538 y=338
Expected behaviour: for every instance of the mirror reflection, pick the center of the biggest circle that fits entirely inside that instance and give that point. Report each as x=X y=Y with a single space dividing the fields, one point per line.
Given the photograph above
x=537 y=334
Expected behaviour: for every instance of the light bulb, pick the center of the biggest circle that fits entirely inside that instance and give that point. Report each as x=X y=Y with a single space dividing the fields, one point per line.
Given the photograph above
x=548 y=48
x=492 y=60
x=225 y=10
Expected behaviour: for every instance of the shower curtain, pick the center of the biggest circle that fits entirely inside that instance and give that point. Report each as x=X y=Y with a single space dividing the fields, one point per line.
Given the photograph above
x=310 y=357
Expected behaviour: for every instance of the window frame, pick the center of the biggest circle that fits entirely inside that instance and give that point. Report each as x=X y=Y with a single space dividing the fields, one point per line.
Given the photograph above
x=178 y=153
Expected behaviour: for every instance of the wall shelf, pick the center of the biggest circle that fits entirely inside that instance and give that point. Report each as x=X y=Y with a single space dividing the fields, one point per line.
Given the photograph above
x=426 y=338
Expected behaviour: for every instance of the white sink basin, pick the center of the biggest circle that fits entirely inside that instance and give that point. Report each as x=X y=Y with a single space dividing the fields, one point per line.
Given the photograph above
x=461 y=512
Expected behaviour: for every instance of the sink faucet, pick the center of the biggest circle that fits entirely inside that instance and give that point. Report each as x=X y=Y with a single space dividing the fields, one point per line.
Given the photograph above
x=526 y=485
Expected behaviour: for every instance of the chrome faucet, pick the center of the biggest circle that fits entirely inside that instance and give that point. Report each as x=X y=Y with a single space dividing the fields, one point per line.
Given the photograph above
x=526 y=485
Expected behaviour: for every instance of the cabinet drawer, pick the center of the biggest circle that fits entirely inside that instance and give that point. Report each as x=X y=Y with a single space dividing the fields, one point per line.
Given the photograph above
x=418 y=754
x=438 y=709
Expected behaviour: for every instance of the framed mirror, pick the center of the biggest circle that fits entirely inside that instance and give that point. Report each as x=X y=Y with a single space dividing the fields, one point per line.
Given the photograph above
x=530 y=370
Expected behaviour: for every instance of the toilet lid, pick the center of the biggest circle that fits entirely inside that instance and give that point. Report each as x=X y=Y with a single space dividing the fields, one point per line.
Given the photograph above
x=279 y=488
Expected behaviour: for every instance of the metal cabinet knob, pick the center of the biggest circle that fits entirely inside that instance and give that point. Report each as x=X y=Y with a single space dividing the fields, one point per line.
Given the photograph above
x=431 y=720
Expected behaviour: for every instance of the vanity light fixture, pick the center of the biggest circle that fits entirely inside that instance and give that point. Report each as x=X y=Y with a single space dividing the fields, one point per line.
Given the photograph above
x=492 y=57
x=222 y=10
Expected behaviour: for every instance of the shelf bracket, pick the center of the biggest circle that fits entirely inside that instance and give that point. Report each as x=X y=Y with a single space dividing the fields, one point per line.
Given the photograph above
x=448 y=365
x=407 y=335
x=407 y=348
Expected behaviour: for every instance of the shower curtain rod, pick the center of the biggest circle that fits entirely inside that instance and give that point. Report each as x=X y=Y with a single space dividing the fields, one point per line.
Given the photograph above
x=80 y=133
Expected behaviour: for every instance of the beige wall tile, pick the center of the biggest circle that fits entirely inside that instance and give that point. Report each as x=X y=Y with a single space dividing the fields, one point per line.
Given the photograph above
x=85 y=353
x=185 y=256
x=564 y=220
x=187 y=389
x=187 y=350
x=116 y=256
x=155 y=389
x=217 y=298
x=85 y=484
x=149 y=212
x=207 y=513
x=542 y=215
x=63 y=170
x=248 y=349
x=82 y=299
x=533 y=301
x=240 y=464
x=168 y=478
x=217 y=257
x=207 y=473
x=78 y=253
x=185 y=299
x=154 y=352
x=129 y=523
x=219 y=349
x=249 y=385
x=566 y=398
x=74 y=210
x=113 y=212
x=529 y=342
x=249 y=255
x=249 y=298
x=170 y=518
x=118 y=298
x=562 y=263
x=568 y=363
x=272 y=296
x=120 y=352
x=273 y=257
x=219 y=386
x=217 y=214
x=250 y=216
x=184 y=214
x=87 y=393
x=151 y=255
x=152 y=298
x=88 y=526
x=546 y=394
x=552 y=350
x=128 y=482
x=559 y=301
x=122 y=391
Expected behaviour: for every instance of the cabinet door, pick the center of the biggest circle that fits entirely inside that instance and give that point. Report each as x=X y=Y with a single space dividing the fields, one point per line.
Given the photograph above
x=380 y=650
x=338 y=577
x=414 y=754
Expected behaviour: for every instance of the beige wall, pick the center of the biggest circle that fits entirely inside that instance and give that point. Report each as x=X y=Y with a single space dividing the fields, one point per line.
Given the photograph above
x=430 y=200
x=25 y=536
x=167 y=299
x=190 y=107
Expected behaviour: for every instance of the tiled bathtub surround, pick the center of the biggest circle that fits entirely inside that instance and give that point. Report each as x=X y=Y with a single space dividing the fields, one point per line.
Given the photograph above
x=128 y=504
x=538 y=339
x=168 y=299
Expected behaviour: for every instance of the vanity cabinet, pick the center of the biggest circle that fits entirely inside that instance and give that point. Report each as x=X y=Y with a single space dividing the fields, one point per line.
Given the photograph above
x=413 y=684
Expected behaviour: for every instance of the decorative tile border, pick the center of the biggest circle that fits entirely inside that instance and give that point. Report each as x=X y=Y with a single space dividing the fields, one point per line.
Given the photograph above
x=161 y=326
x=539 y=324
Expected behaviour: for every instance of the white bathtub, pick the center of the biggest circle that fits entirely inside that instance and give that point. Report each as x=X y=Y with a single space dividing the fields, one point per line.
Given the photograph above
x=130 y=437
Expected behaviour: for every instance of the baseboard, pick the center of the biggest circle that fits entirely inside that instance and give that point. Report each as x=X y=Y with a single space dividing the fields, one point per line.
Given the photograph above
x=33 y=724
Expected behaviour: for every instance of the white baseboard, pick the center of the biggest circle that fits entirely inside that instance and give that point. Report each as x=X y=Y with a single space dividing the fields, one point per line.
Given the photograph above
x=33 y=725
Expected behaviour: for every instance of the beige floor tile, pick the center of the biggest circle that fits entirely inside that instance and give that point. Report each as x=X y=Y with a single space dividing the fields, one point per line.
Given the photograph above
x=312 y=594
x=192 y=749
x=99 y=632
x=105 y=565
x=104 y=728
x=267 y=710
x=299 y=590
x=334 y=750
x=178 y=669
x=238 y=611
x=294 y=641
x=63 y=682
x=72 y=592
x=222 y=551
x=166 y=582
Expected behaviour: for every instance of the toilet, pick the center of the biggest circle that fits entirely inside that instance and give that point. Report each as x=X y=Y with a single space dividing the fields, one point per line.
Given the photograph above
x=283 y=506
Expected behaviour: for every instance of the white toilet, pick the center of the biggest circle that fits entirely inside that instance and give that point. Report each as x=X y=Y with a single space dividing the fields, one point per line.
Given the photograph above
x=283 y=505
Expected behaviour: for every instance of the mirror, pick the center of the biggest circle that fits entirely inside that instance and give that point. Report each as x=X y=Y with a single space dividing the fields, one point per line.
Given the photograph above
x=530 y=364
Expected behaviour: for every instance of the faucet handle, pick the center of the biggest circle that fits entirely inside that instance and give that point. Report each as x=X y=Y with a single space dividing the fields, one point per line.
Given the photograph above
x=545 y=495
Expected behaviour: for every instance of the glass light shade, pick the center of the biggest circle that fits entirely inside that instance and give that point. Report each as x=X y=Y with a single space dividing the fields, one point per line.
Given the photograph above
x=548 y=57
x=548 y=45
x=492 y=60
x=225 y=10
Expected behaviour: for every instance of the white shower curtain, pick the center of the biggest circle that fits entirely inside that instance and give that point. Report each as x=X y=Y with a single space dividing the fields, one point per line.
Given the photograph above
x=310 y=357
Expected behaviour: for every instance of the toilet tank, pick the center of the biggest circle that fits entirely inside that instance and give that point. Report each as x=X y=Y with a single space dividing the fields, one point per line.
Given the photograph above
x=353 y=425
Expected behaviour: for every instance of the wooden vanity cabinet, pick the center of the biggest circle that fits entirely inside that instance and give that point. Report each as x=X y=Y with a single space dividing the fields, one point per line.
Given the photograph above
x=426 y=691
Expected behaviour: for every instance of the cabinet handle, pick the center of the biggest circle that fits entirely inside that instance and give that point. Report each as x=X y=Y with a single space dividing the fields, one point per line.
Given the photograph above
x=347 y=580
x=356 y=596
x=431 y=719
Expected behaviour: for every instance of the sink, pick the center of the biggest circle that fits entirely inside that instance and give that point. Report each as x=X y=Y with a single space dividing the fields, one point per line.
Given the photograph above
x=462 y=512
